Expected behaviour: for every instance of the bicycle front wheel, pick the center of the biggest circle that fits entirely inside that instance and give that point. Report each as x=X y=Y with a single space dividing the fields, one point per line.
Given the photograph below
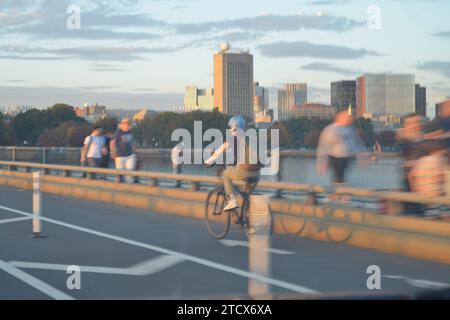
x=217 y=221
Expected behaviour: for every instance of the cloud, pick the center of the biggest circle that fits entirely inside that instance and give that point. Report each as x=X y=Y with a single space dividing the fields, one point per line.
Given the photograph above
x=267 y=23
x=110 y=96
x=14 y=81
x=307 y=49
x=326 y=67
x=89 y=53
x=48 y=20
x=441 y=67
x=103 y=67
x=445 y=34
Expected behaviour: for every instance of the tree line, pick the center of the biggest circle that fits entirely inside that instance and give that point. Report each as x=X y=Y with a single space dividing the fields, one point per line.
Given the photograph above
x=59 y=126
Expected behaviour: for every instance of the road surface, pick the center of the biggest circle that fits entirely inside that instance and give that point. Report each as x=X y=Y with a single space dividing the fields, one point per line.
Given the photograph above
x=126 y=253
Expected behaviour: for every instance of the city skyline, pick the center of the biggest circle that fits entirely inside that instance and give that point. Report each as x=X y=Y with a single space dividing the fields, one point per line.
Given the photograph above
x=135 y=54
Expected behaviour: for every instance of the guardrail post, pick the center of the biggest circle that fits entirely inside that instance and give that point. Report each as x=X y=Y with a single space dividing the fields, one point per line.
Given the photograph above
x=14 y=154
x=176 y=169
x=44 y=155
x=259 y=234
x=66 y=173
x=119 y=178
x=153 y=182
x=195 y=186
x=27 y=169
x=37 y=204
x=279 y=193
x=12 y=168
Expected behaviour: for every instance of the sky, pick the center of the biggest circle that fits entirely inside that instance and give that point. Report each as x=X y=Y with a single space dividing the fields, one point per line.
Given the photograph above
x=143 y=53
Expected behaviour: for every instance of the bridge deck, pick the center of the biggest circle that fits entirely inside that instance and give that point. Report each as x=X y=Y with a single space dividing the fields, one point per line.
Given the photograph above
x=130 y=253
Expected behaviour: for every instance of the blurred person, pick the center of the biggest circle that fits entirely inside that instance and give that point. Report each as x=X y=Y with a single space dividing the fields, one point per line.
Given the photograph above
x=439 y=127
x=107 y=157
x=410 y=140
x=122 y=146
x=94 y=149
x=339 y=143
x=427 y=175
x=176 y=157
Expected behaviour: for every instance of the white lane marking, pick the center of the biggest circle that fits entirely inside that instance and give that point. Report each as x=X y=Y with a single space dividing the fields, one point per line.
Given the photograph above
x=14 y=219
x=234 y=243
x=34 y=282
x=156 y=265
x=141 y=269
x=211 y=264
x=419 y=283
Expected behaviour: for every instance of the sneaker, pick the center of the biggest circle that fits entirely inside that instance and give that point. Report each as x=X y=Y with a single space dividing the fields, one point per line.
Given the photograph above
x=231 y=204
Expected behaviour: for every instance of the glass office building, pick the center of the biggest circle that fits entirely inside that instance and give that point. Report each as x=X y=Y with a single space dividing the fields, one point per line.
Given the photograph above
x=385 y=94
x=292 y=94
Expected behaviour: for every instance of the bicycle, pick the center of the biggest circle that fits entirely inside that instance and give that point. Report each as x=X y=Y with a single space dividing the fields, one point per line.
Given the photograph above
x=216 y=219
x=323 y=222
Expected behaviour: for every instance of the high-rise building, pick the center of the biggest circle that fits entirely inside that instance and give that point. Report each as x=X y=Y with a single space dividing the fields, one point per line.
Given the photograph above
x=315 y=110
x=421 y=100
x=233 y=82
x=343 y=95
x=198 y=99
x=260 y=98
x=292 y=94
x=385 y=94
x=441 y=106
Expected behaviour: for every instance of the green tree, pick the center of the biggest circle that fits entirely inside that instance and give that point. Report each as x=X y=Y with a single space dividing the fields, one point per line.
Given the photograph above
x=286 y=138
x=366 y=130
x=108 y=124
x=67 y=134
x=7 y=137
x=311 y=139
x=29 y=126
x=159 y=128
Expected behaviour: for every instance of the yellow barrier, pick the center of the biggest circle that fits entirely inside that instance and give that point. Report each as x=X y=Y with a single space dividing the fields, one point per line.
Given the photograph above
x=412 y=237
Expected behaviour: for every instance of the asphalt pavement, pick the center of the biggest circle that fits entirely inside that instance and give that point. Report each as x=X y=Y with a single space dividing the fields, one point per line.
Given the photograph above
x=127 y=253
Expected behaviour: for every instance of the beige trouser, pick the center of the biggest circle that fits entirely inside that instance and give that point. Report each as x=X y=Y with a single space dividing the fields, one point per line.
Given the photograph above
x=236 y=173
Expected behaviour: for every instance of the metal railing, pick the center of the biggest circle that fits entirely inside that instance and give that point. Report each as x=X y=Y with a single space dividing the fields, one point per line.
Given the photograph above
x=295 y=166
x=194 y=181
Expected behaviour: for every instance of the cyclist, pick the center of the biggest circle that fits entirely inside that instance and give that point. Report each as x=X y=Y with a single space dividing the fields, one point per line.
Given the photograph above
x=237 y=169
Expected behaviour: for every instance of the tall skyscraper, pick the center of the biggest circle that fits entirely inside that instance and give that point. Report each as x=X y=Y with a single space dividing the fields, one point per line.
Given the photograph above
x=198 y=99
x=421 y=100
x=292 y=94
x=233 y=82
x=260 y=98
x=385 y=94
x=343 y=95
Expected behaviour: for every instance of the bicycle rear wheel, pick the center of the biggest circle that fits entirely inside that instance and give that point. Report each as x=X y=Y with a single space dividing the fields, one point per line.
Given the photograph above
x=217 y=221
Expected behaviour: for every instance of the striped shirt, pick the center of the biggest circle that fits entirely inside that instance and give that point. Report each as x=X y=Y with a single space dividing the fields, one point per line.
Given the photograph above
x=427 y=175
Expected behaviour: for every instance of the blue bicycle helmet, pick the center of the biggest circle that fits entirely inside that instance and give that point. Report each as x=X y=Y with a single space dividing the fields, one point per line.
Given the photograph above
x=237 y=122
